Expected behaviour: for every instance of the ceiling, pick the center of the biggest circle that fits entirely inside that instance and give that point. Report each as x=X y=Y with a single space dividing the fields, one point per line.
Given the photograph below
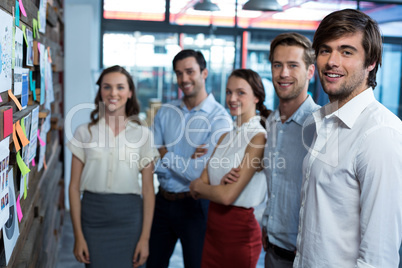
x=296 y=14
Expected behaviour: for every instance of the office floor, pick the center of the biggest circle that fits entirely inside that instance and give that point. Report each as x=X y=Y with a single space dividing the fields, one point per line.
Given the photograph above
x=66 y=257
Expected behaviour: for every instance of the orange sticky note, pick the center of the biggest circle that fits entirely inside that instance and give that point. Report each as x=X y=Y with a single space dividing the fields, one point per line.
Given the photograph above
x=21 y=134
x=44 y=163
x=48 y=55
x=16 y=143
x=17 y=103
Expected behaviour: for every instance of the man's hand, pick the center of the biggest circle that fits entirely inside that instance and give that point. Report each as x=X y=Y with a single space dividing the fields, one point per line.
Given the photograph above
x=199 y=151
x=162 y=151
x=231 y=176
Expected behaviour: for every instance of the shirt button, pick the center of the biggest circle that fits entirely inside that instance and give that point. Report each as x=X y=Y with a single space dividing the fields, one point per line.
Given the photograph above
x=273 y=196
x=281 y=131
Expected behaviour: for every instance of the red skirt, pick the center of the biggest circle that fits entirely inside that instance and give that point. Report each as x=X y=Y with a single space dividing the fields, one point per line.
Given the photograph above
x=232 y=239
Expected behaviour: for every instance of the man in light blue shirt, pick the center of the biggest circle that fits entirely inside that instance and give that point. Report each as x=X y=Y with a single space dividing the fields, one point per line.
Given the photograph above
x=292 y=60
x=179 y=128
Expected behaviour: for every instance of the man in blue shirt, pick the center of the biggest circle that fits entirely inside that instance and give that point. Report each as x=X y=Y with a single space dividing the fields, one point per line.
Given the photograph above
x=292 y=60
x=179 y=128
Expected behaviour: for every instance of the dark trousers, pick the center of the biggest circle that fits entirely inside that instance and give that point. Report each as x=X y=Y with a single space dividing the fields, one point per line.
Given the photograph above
x=183 y=219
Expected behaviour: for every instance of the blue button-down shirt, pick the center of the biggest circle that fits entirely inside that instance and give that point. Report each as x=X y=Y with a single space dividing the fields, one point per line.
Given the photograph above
x=285 y=150
x=181 y=131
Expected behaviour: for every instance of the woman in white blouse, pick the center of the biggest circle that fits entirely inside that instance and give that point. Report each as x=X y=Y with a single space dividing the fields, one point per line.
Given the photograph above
x=112 y=222
x=233 y=236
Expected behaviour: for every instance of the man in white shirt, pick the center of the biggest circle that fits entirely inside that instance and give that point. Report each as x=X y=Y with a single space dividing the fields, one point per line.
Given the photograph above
x=351 y=200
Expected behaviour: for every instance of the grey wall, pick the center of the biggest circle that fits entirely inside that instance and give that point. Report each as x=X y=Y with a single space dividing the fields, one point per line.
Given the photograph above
x=81 y=64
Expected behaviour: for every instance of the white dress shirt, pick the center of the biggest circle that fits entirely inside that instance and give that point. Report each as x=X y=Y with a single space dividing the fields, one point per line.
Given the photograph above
x=351 y=200
x=112 y=163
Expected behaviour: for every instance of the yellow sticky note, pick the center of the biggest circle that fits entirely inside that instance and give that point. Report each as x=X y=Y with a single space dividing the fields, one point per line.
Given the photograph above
x=24 y=169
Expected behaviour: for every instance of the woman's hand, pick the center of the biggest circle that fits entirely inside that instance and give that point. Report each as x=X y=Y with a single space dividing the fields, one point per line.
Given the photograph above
x=230 y=177
x=81 y=252
x=141 y=252
x=194 y=186
x=199 y=151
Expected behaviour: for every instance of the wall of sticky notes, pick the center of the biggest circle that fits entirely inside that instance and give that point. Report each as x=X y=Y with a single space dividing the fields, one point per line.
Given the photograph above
x=31 y=102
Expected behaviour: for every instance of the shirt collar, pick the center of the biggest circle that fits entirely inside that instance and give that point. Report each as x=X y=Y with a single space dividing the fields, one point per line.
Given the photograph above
x=206 y=105
x=300 y=115
x=349 y=112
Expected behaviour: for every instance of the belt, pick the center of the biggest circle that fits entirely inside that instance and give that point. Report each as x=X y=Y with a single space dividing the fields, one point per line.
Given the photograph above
x=283 y=253
x=173 y=196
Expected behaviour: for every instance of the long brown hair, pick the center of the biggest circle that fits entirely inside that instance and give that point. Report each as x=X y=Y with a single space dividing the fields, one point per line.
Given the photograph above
x=132 y=106
x=255 y=81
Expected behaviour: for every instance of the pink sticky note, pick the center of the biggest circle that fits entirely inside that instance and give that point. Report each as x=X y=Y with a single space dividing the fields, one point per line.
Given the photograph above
x=39 y=47
x=33 y=162
x=22 y=8
x=1 y=100
x=42 y=143
x=19 y=212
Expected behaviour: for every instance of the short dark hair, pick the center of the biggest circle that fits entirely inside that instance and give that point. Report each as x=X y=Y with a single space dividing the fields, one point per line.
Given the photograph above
x=185 y=53
x=349 y=21
x=294 y=39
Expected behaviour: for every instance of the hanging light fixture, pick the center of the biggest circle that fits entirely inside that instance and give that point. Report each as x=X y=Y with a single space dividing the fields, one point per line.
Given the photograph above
x=206 y=5
x=262 y=5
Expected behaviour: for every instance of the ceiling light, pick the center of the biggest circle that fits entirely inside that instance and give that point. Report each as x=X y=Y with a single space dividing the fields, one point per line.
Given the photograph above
x=206 y=5
x=262 y=5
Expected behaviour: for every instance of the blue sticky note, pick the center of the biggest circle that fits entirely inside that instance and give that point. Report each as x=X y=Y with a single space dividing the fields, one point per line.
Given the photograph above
x=34 y=90
x=17 y=13
x=24 y=93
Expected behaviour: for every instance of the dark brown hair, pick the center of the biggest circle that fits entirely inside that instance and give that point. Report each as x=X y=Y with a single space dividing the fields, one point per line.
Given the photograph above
x=254 y=80
x=350 y=21
x=132 y=106
x=190 y=53
x=294 y=39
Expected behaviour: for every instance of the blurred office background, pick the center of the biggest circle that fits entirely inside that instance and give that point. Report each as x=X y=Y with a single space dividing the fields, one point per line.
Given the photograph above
x=144 y=36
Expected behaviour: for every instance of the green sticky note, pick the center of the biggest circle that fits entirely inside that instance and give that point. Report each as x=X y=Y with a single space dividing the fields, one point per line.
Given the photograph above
x=34 y=27
x=23 y=126
x=23 y=167
x=38 y=20
x=25 y=187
